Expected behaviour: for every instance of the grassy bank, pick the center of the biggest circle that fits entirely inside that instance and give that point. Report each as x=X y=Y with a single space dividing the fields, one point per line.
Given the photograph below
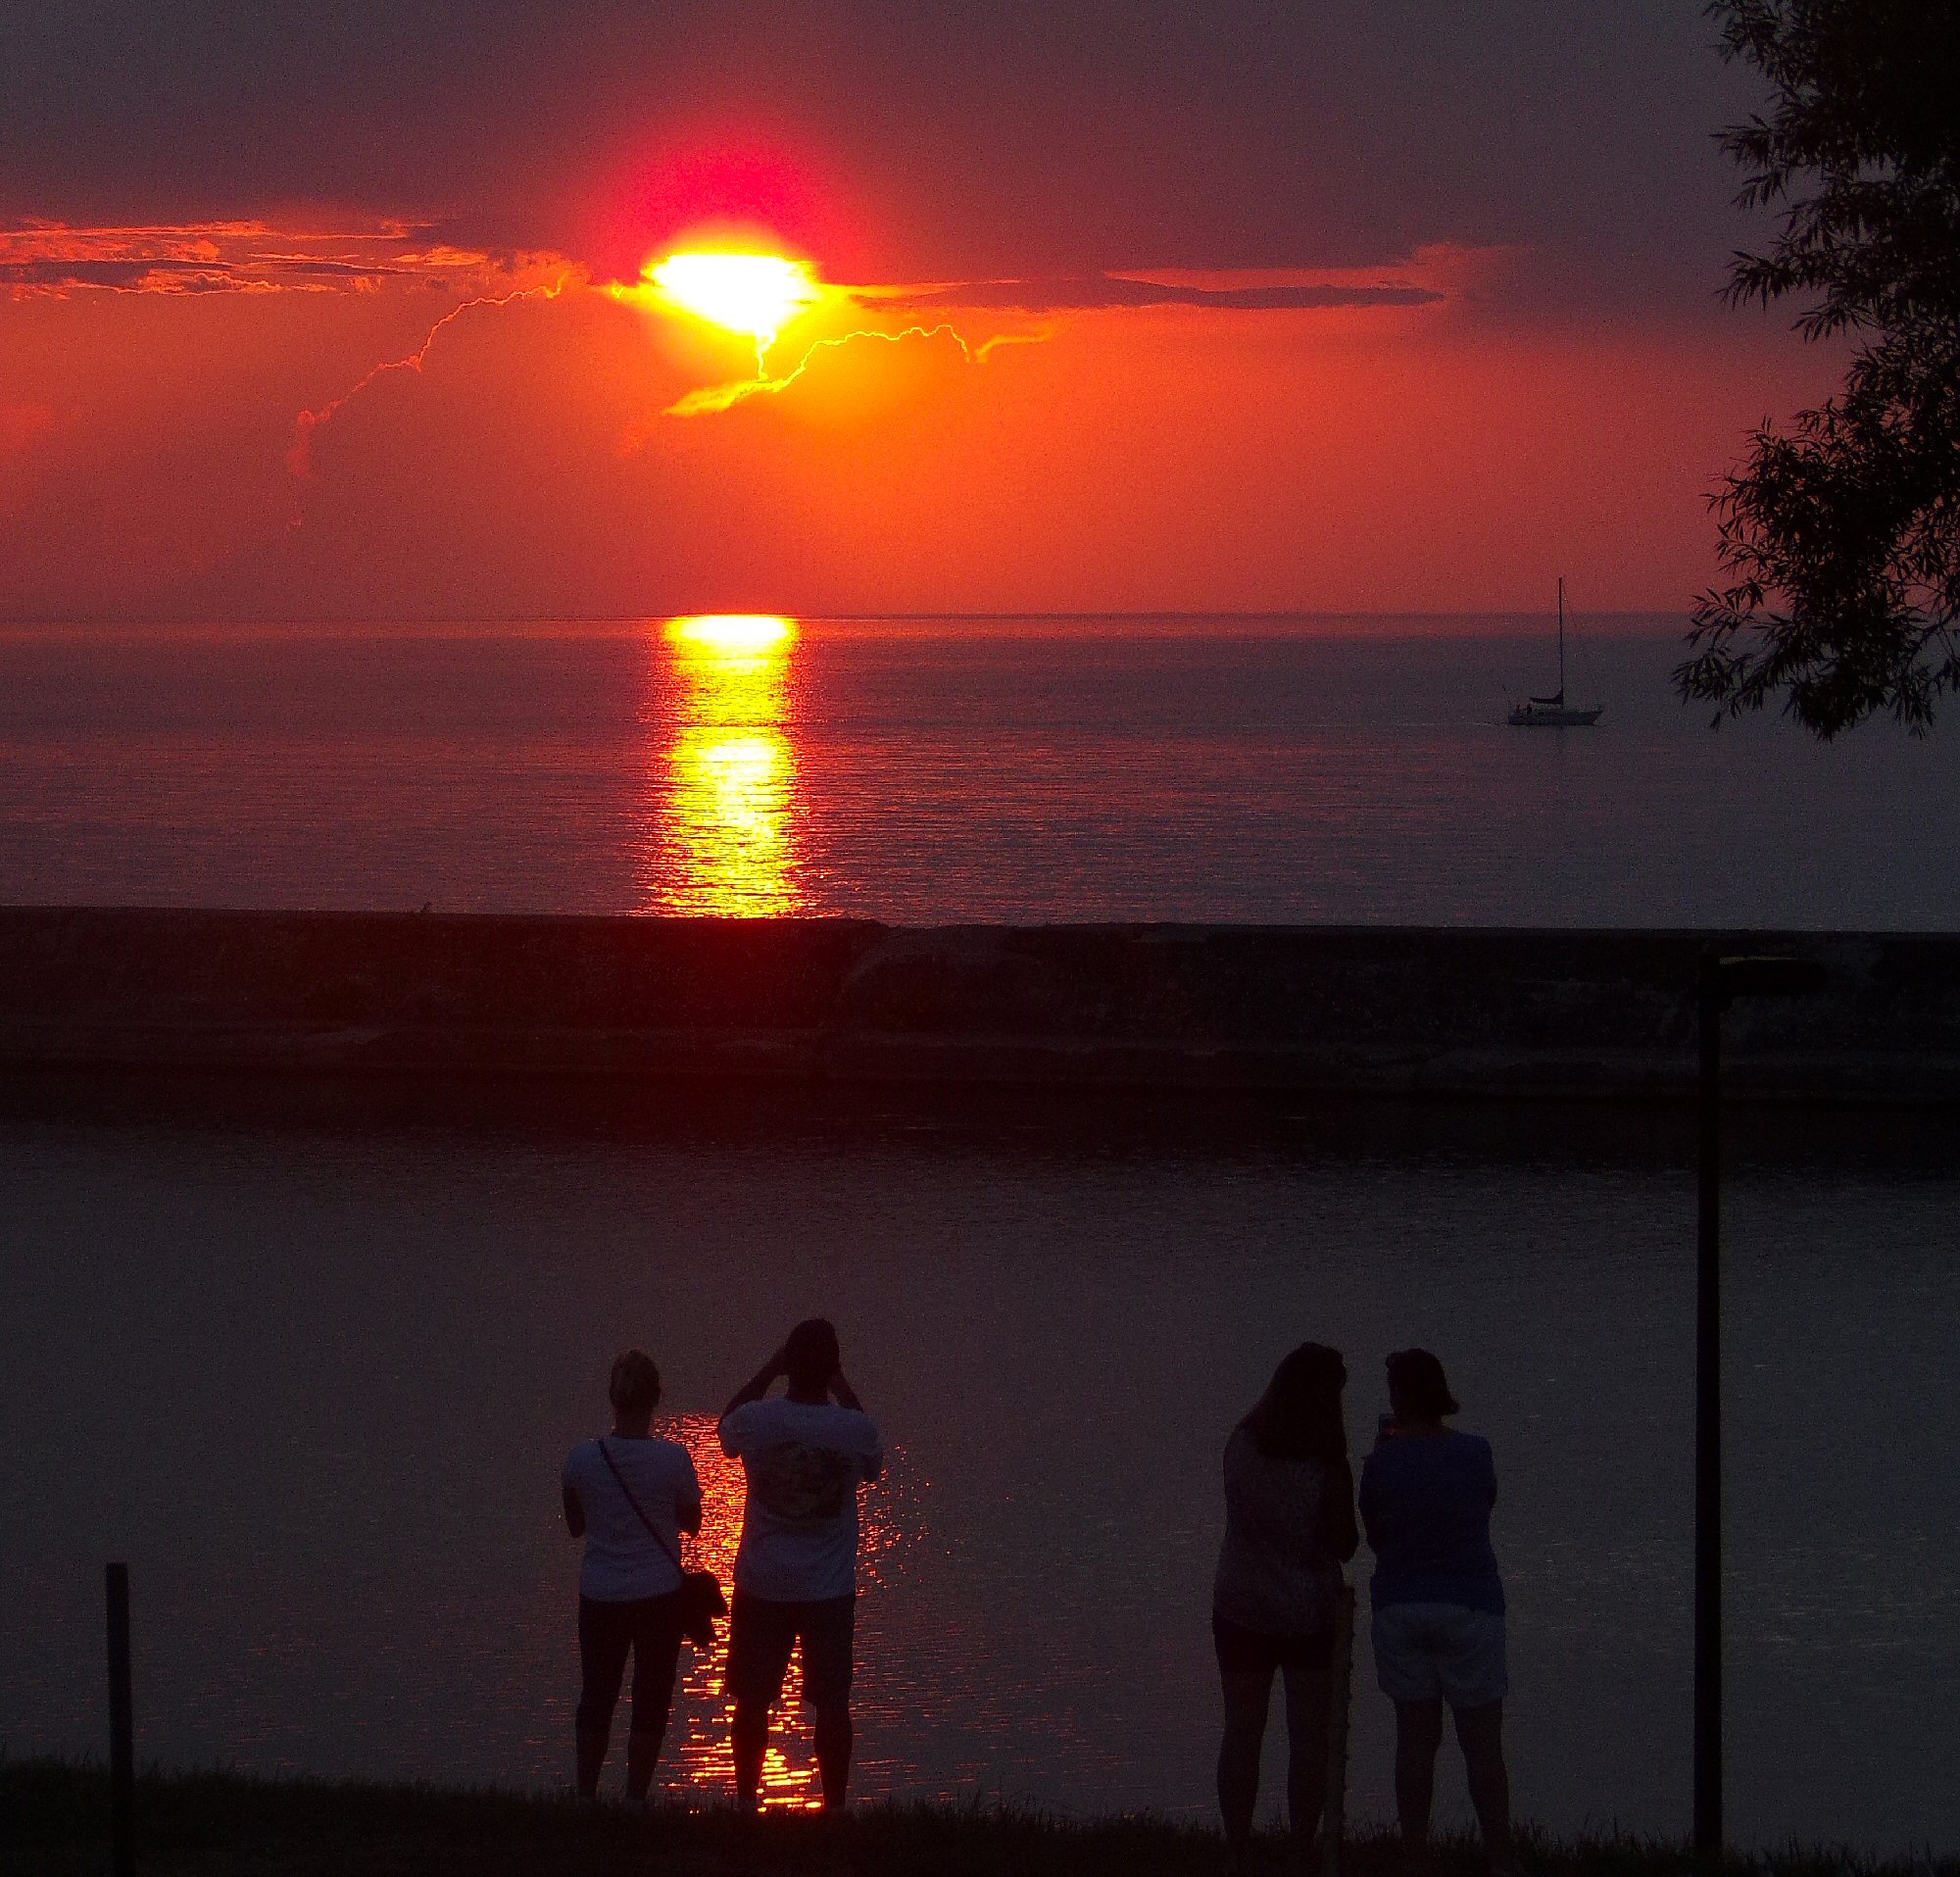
x=53 y=1822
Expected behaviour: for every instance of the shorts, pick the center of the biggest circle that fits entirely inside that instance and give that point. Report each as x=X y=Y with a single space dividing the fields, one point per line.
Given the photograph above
x=1251 y=1652
x=1440 y=1652
x=763 y=1633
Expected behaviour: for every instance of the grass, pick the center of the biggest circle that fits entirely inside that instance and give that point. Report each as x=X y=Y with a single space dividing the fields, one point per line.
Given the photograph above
x=53 y=1822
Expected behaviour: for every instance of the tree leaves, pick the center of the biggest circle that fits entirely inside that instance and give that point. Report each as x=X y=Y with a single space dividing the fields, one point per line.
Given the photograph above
x=1840 y=534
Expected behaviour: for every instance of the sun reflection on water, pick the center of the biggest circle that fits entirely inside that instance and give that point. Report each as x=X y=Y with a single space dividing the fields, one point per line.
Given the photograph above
x=697 y=1757
x=722 y=821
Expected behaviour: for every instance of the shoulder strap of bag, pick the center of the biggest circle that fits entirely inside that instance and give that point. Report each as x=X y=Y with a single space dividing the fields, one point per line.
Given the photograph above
x=652 y=1531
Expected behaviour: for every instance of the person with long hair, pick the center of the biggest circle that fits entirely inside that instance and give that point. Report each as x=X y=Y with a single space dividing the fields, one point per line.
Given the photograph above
x=629 y=1496
x=1426 y=1493
x=1288 y=1529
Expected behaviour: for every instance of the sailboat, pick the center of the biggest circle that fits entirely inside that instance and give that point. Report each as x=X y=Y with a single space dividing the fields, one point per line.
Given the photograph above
x=1554 y=712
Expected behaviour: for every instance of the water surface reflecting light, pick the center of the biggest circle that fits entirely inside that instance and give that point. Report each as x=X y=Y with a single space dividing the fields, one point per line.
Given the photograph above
x=721 y=803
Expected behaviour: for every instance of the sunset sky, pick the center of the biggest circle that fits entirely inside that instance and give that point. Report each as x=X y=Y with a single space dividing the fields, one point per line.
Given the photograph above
x=338 y=309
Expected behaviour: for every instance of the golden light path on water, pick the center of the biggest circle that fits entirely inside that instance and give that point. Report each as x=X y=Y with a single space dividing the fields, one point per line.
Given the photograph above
x=697 y=1757
x=721 y=835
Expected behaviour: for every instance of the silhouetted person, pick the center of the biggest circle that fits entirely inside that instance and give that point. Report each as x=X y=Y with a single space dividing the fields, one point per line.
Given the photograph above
x=806 y=1453
x=1427 y=1491
x=1289 y=1528
x=629 y=1497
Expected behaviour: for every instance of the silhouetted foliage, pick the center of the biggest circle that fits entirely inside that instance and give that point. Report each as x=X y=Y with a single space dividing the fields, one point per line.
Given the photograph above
x=1842 y=534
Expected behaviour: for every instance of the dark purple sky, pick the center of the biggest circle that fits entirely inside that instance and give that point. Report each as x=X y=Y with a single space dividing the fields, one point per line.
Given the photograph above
x=921 y=140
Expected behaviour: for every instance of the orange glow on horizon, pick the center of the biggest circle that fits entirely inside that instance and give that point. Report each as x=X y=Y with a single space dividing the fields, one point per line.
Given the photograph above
x=523 y=462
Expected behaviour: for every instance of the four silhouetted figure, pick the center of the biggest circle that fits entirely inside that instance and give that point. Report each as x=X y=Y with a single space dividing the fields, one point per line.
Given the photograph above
x=1426 y=1496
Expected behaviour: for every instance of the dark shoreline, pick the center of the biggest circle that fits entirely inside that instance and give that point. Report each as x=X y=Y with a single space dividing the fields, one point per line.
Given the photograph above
x=54 y=1820
x=1212 y=1013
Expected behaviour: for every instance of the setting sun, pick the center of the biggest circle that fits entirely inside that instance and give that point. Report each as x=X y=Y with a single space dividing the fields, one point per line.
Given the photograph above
x=754 y=294
x=731 y=632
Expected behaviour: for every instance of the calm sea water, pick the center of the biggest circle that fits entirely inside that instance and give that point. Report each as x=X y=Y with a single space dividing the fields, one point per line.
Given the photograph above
x=316 y=1385
x=921 y=772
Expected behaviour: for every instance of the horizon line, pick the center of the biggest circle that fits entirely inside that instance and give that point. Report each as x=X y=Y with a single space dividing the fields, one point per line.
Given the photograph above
x=10 y=619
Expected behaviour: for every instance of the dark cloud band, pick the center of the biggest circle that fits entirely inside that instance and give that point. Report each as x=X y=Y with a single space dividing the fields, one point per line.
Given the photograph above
x=1093 y=292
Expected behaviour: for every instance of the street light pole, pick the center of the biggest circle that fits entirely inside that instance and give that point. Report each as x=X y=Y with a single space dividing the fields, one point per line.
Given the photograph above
x=122 y=1728
x=1708 y=1428
x=1722 y=981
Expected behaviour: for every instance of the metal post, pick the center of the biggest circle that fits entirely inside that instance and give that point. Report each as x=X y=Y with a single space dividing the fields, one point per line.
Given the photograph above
x=1722 y=979
x=1708 y=1430
x=121 y=1728
x=1334 y=1816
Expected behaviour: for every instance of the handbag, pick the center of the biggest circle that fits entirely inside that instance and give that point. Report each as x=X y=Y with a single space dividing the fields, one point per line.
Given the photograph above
x=700 y=1598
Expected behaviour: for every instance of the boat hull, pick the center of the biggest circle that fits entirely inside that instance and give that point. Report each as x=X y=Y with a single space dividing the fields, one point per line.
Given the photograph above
x=1553 y=716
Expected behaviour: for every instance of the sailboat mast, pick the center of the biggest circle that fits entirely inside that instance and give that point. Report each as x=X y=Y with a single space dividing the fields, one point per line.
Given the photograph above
x=1561 y=639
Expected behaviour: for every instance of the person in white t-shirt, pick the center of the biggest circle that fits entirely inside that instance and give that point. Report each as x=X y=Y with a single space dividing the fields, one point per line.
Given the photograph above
x=629 y=1497
x=804 y=1452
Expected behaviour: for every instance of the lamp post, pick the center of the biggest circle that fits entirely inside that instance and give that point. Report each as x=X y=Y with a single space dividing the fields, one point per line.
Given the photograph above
x=1722 y=981
x=122 y=1728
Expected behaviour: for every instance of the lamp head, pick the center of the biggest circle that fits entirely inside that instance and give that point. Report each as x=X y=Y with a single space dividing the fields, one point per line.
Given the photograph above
x=1753 y=976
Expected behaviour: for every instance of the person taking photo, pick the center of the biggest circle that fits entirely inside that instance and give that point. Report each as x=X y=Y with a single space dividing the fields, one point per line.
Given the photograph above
x=804 y=1454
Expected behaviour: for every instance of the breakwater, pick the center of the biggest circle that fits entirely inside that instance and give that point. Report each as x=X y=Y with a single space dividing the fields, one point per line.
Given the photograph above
x=1435 y=1012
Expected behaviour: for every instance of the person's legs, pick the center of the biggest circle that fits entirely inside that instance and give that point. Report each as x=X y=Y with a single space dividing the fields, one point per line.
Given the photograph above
x=829 y=1630
x=1405 y=1666
x=656 y=1656
x=604 y=1633
x=749 y=1738
x=1480 y=1731
x=761 y=1636
x=1307 y=1694
x=1248 y=1694
x=1418 y=1734
x=1470 y=1665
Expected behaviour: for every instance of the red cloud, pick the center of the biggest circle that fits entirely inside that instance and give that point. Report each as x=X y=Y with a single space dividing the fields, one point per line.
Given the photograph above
x=40 y=257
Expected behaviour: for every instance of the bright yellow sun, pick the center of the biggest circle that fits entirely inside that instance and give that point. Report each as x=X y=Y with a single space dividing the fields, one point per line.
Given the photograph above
x=732 y=634
x=755 y=294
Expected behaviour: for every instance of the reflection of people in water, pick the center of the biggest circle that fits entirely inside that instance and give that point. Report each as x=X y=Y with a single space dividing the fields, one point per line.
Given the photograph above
x=805 y=1453
x=1427 y=1491
x=629 y=1497
x=1289 y=1528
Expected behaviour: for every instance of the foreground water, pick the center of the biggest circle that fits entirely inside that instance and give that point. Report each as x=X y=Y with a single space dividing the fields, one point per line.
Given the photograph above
x=317 y=1384
x=1317 y=769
